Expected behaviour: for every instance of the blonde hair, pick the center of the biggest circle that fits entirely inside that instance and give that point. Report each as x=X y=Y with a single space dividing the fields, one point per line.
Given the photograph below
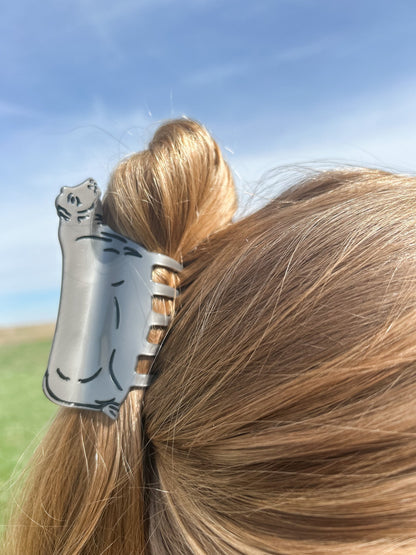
x=282 y=419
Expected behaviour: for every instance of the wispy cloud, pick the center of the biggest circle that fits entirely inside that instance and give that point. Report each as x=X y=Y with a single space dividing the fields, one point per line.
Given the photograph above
x=63 y=152
x=303 y=51
x=9 y=109
x=215 y=73
x=375 y=131
x=280 y=82
x=226 y=71
x=72 y=151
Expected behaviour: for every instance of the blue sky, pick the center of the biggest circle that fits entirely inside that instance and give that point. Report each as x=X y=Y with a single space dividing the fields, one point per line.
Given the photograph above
x=278 y=82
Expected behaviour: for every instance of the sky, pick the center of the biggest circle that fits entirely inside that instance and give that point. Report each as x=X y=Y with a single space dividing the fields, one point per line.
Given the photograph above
x=279 y=83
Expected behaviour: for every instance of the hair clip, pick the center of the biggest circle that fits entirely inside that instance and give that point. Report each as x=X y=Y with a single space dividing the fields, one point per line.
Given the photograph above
x=105 y=310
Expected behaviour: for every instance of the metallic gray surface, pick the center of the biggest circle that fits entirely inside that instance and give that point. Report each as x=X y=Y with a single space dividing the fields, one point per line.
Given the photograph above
x=105 y=310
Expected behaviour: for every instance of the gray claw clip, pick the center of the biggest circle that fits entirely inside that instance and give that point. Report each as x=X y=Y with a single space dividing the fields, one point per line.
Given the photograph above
x=105 y=311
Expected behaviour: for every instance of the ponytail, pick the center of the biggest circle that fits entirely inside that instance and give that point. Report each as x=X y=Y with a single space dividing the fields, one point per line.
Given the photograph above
x=86 y=490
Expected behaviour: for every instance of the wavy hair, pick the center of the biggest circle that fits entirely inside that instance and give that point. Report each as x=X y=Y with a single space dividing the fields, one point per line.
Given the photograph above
x=282 y=419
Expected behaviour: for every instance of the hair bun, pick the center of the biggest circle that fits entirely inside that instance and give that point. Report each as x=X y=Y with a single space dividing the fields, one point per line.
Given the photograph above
x=176 y=193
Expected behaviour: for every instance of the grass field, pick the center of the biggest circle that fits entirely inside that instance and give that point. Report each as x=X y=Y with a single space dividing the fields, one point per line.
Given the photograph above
x=24 y=410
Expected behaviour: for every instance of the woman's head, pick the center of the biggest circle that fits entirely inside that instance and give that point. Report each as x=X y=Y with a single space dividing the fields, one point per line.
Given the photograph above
x=282 y=417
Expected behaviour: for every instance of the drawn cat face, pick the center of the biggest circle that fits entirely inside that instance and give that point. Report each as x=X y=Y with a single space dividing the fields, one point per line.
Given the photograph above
x=78 y=207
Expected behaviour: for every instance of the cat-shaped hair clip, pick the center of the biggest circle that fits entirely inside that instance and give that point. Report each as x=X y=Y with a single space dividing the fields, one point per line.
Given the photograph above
x=105 y=311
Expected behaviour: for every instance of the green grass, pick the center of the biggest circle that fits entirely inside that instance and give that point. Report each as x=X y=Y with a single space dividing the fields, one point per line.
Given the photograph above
x=24 y=410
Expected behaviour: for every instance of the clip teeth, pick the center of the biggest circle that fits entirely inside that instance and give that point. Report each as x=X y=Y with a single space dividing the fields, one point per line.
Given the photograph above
x=150 y=349
x=158 y=319
x=162 y=290
x=167 y=262
x=142 y=380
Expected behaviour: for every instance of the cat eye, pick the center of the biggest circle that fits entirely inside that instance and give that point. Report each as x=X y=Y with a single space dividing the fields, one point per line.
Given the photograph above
x=73 y=199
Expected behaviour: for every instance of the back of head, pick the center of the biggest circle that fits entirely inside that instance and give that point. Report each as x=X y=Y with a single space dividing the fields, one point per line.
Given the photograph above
x=282 y=417
x=288 y=426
